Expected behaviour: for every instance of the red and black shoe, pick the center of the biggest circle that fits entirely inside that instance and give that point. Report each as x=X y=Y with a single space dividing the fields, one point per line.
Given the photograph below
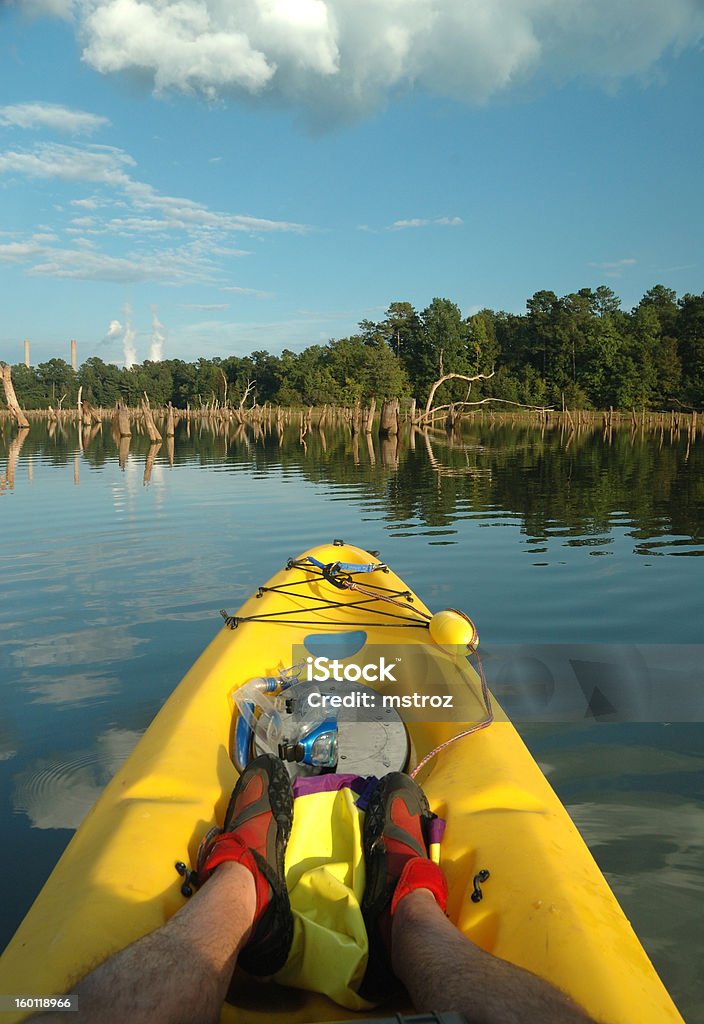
x=257 y=828
x=396 y=857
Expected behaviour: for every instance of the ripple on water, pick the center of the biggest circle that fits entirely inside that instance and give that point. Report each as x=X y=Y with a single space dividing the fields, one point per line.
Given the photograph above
x=58 y=792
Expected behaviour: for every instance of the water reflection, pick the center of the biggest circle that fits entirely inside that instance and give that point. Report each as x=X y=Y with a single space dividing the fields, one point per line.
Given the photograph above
x=58 y=792
x=7 y=480
x=78 y=647
x=654 y=862
x=76 y=688
x=581 y=486
x=8 y=742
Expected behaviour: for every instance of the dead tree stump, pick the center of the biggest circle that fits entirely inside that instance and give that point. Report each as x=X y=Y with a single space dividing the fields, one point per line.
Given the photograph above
x=89 y=415
x=369 y=422
x=388 y=424
x=356 y=418
x=121 y=421
x=11 y=398
x=154 y=435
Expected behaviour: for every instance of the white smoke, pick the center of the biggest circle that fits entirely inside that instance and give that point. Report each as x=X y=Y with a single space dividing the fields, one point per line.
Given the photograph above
x=337 y=58
x=128 y=347
x=115 y=330
x=156 y=350
x=112 y=336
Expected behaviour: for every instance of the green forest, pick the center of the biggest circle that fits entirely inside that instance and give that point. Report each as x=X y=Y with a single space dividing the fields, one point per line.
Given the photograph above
x=581 y=350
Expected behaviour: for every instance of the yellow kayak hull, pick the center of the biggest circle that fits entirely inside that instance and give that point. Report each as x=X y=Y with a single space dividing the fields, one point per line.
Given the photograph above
x=547 y=906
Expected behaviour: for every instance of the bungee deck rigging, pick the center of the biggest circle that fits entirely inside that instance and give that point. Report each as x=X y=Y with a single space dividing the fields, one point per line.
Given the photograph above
x=339 y=575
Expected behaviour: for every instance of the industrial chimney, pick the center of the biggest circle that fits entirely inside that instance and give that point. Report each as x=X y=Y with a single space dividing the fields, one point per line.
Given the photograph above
x=26 y=352
x=73 y=354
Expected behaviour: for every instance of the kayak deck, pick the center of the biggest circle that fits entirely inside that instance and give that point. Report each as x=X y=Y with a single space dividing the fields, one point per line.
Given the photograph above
x=546 y=906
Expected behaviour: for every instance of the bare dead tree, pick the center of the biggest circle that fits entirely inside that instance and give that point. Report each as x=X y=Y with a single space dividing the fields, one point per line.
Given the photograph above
x=154 y=435
x=11 y=398
x=240 y=411
x=224 y=384
x=429 y=411
x=251 y=384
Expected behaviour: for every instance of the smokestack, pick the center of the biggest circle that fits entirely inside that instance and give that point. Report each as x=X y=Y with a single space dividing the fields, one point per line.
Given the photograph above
x=73 y=354
x=26 y=352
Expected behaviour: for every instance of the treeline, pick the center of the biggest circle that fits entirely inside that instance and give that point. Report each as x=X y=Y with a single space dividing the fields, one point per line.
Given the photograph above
x=582 y=350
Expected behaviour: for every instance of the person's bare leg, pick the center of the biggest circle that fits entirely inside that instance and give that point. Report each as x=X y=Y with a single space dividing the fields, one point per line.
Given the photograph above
x=182 y=971
x=443 y=970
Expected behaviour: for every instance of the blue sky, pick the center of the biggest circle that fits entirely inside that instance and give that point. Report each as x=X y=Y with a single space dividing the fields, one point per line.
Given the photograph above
x=198 y=178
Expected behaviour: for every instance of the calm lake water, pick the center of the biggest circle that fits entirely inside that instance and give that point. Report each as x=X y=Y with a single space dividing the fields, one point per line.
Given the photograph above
x=113 y=571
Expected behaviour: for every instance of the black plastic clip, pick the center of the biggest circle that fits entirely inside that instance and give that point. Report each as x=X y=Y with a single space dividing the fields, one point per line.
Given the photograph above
x=477 y=894
x=231 y=621
x=337 y=543
x=330 y=574
x=190 y=878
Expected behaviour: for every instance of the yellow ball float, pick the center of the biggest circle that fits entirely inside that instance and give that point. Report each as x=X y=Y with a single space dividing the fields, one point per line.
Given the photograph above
x=452 y=628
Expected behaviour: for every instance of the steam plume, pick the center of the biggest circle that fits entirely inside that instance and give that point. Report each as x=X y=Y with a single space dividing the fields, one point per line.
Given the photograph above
x=128 y=346
x=156 y=350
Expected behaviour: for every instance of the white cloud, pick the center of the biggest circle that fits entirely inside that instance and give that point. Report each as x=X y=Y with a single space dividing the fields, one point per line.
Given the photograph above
x=194 y=262
x=422 y=222
x=248 y=291
x=206 y=307
x=178 y=43
x=188 y=240
x=19 y=252
x=185 y=212
x=672 y=270
x=70 y=163
x=213 y=336
x=614 y=268
x=52 y=116
x=345 y=57
x=106 y=165
x=628 y=261
x=175 y=266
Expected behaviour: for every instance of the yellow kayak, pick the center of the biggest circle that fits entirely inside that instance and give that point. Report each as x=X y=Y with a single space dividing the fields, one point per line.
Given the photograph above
x=545 y=905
